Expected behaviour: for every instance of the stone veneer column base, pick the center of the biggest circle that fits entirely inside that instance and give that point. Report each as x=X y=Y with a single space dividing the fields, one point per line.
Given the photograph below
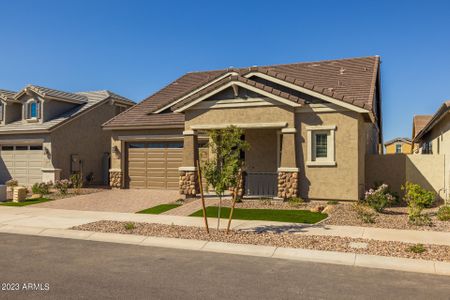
x=287 y=184
x=115 y=179
x=189 y=183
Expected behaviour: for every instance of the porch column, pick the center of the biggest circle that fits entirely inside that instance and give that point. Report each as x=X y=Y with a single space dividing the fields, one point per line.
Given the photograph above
x=288 y=170
x=188 y=172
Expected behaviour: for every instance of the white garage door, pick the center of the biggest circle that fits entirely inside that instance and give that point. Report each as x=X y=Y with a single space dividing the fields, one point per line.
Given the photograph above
x=21 y=162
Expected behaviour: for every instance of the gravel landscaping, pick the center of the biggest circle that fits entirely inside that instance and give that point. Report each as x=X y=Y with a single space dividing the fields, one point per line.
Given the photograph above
x=343 y=214
x=330 y=243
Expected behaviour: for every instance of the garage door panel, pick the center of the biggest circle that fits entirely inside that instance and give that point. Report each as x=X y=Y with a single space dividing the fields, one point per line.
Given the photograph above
x=158 y=163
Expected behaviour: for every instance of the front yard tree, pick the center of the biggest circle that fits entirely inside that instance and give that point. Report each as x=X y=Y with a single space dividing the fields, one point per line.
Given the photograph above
x=222 y=170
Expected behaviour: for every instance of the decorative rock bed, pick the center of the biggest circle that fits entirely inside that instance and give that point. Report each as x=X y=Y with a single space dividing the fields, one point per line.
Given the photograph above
x=329 y=243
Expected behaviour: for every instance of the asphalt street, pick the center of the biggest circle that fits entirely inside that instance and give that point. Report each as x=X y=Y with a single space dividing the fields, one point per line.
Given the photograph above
x=53 y=268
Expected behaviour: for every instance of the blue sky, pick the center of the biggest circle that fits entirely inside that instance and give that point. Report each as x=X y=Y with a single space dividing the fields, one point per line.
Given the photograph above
x=136 y=47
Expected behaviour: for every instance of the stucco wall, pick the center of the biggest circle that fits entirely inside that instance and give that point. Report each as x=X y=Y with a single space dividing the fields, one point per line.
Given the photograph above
x=83 y=136
x=266 y=114
x=395 y=170
x=13 y=112
x=54 y=108
x=339 y=182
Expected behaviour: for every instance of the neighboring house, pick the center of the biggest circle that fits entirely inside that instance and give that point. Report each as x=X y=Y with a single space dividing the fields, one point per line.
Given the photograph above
x=434 y=139
x=398 y=145
x=419 y=122
x=309 y=126
x=47 y=134
x=434 y=136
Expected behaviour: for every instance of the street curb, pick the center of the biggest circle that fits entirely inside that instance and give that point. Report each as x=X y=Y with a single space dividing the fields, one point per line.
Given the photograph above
x=330 y=257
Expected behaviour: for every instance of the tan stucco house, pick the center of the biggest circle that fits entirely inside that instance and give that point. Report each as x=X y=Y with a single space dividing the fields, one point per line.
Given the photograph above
x=46 y=134
x=398 y=146
x=309 y=126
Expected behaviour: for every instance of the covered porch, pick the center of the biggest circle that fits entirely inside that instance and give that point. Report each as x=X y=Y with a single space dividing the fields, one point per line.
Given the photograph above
x=270 y=163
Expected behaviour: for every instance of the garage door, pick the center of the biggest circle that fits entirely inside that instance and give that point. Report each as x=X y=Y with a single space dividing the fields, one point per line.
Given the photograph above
x=21 y=162
x=154 y=165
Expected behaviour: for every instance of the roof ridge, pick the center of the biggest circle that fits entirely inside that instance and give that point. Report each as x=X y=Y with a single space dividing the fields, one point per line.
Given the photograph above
x=286 y=64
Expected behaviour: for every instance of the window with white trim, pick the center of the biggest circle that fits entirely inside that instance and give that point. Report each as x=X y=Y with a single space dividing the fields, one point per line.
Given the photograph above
x=398 y=148
x=33 y=109
x=320 y=143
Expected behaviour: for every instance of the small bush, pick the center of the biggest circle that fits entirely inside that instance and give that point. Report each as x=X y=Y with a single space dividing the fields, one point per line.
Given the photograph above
x=365 y=213
x=333 y=202
x=417 y=199
x=443 y=213
x=63 y=186
x=41 y=188
x=12 y=183
x=295 y=201
x=77 y=181
x=379 y=198
x=129 y=226
x=417 y=248
x=179 y=201
x=417 y=195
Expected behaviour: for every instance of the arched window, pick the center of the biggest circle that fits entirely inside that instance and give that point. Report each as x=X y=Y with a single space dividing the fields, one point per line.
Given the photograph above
x=33 y=109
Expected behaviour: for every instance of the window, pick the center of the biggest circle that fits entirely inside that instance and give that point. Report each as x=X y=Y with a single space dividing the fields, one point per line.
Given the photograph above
x=398 y=148
x=32 y=110
x=427 y=148
x=320 y=143
x=36 y=147
x=7 y=148
x=21 y=148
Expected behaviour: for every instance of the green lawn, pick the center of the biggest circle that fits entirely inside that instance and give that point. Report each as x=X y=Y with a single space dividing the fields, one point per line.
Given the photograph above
x=293 y=216
x=25 y=203
x=159 y=209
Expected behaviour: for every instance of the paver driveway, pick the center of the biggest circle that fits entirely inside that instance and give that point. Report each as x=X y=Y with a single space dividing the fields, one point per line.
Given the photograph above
x=115 y=200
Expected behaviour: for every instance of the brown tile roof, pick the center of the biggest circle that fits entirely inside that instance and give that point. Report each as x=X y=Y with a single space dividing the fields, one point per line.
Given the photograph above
x=398 y=139
x=350 y=80
x=419 y=122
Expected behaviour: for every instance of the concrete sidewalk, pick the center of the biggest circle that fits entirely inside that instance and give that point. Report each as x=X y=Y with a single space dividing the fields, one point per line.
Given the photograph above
x=49 y=218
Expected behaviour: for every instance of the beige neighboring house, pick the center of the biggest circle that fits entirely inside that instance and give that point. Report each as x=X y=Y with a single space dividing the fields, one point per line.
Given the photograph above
x=47 y=134
x=309 y=125
x=419 y=122
x=434 y=135
x=434 y=139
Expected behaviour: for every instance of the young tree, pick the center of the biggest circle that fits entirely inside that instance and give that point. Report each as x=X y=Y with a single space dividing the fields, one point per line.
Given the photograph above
x=222 y=171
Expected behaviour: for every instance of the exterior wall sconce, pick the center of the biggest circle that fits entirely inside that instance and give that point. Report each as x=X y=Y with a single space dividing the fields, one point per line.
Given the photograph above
x=47 y=152
x=116 y=151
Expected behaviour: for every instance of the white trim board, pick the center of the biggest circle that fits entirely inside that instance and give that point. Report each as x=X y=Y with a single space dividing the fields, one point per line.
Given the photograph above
x=308 y=92
x=240 y=125
x=243 y=85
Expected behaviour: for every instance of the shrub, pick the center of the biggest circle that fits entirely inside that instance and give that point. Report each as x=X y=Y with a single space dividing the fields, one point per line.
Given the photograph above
x=295 y=201
x=417 y=195
x=443 y=213
x=365 y=213
x=417 y=199
x=129 y=226
x=417 y=248
x=379 y=198
x=77 y=181
x=63 y=186
x=12 y=183
x=41 y=188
